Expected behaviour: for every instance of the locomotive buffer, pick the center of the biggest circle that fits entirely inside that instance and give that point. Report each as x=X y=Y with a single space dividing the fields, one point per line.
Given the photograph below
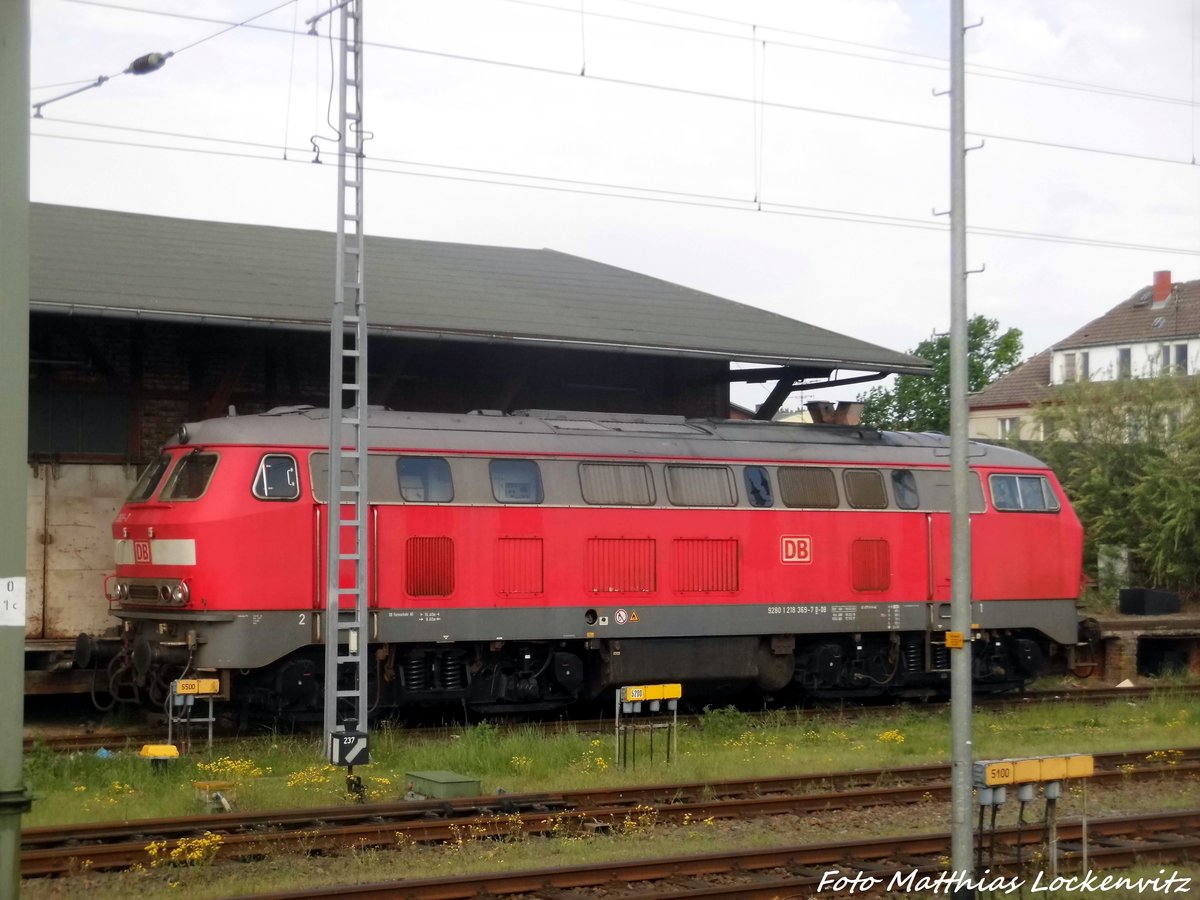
x=345 y=626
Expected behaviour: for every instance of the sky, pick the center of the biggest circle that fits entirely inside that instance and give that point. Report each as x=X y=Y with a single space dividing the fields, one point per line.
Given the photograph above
x=787 y=155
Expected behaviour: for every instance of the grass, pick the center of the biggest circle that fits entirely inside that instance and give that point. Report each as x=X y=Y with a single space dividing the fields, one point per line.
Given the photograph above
x=287 y=771
x=726 y=744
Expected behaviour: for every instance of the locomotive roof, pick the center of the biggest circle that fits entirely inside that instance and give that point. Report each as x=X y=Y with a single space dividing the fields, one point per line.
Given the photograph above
x=100 y=262
x=595 y=433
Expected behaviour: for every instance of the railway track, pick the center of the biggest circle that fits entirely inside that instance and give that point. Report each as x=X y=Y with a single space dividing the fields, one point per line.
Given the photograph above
x=796 y=871
x=133 y=738
x=61 y=850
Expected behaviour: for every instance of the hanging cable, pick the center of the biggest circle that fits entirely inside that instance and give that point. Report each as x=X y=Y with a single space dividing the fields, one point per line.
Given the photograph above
x=582 y=39
x=149 y=62
x=287 y=114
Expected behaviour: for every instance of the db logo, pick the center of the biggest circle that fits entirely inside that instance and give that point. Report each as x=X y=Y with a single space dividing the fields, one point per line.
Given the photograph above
x=141 y=552
x=795 y=548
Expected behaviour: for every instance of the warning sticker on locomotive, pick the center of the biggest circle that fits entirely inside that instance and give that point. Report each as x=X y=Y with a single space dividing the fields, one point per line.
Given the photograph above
x=12 y=602
x=795 y=549
x=633 y=616
x=621 y=616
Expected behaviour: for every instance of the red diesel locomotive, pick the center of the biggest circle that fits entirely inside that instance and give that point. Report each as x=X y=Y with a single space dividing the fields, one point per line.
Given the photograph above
x=521 y=561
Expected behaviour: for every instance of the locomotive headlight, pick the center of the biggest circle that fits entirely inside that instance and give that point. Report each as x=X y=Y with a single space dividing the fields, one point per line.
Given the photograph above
x=180 y=593
x=120 y=591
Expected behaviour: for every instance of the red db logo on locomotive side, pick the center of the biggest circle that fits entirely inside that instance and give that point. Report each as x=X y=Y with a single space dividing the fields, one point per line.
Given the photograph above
x=795 y=548
x=141 y=552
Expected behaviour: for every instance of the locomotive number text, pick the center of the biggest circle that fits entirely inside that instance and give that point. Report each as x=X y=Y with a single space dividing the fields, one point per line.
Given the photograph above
x=815 y=609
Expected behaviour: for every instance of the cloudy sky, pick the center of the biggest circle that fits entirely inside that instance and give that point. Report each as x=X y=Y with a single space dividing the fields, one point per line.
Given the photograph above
x=787 y=155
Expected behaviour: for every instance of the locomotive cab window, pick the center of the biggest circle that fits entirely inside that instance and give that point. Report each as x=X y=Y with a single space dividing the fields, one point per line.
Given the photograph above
x=276 y=478
x=808 y=487
x=758 y=486
x=1022 y=492
x=191 y=476
x=700 y=486
x=864 y=489
x=904 y=489
x=516 y=481
x=424 y=479
x=616 y=484
x=148 y=483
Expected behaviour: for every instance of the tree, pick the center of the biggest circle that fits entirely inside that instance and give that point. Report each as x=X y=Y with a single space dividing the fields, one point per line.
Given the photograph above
x=1128 y=455
x=922 y=403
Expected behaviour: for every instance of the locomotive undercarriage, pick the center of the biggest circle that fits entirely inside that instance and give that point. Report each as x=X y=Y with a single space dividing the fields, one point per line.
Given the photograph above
x=536 y=676
x=913 y=664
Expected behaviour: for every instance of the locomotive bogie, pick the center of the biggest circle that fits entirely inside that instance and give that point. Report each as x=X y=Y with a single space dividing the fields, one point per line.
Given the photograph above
x=525 y=561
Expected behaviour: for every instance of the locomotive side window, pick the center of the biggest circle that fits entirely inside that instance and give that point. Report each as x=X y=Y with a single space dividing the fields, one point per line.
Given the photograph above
x=276 y=478
x=904 y=489
x=700 y=486
x=758 y=486
x=616 y=484
x=191 y=477
x=808 y=487
x=864 y=489
x=516 y=480
x=424 y=479
x=1022 y=492
x=144 y=489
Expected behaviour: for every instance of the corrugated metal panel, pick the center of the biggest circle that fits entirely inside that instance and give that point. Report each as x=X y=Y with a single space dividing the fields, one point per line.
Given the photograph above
x=871 y=565
x=616 y=565
x=706 y=565
x=127 y=264
x=519 y=566
x=429 y=567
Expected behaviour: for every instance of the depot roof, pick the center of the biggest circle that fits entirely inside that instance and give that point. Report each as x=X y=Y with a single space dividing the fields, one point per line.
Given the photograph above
x=100 y=262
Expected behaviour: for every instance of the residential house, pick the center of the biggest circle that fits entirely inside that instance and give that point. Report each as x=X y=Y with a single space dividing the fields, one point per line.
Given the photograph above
x=1154 y=332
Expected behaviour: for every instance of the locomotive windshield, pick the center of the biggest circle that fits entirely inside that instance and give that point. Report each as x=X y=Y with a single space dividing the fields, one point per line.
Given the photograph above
x=191 y=477
x=148 y=483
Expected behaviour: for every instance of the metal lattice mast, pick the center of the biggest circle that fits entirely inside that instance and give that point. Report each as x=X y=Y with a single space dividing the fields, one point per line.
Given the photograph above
x=346 y=582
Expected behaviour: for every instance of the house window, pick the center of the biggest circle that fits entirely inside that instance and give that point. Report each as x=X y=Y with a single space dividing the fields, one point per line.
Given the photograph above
x=1084 y=369
x=1010 y=429
x=1181 y=359
x=1069 y=373
x=1124 y=363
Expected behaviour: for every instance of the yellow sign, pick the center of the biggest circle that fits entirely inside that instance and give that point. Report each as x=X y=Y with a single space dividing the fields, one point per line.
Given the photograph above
x=198 y=686
x=954 y=640
x=998 y=773
x=651 y=692
x=633 y=616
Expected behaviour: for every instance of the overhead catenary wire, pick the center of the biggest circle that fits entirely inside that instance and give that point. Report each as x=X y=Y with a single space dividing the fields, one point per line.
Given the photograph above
x=697 y=93
x=149 y=62
x=936 y=62
x=630 y=192
x=918 y=60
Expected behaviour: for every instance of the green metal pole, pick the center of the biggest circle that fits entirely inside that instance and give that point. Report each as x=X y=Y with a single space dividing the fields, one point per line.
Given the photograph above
x=14 y=424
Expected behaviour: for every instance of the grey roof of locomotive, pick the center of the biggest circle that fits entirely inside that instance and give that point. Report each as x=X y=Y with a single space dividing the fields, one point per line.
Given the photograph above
x=599 y=434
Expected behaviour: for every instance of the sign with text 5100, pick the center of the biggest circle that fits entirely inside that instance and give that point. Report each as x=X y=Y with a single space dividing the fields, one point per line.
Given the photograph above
x=795 y=549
